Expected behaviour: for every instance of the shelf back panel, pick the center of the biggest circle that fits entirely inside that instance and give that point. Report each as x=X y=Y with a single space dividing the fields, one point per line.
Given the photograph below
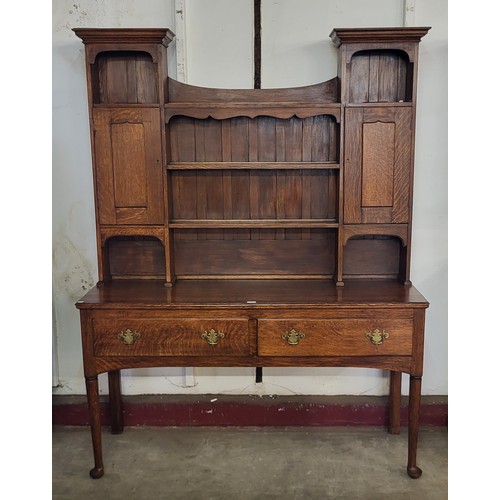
x=260 y=139
x=373 y=257
x=255 y=194
x=255 y=253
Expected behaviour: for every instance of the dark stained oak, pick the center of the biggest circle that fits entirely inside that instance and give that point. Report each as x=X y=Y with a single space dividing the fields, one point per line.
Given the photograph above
x=265 y=293
x=127 y=144
x=378 y=154
x=395 y=402
x=115 y=401
x=252 y=227
x=413 y=418
x=126 y=36
x=370 y=36
x=335 y=337
x=322 y=93
x=261 y=165
x=170 y=337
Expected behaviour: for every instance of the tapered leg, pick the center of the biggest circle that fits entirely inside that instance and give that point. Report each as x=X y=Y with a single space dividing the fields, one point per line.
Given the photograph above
x=395 y=403
x=413 y=424
x=95 y=424
x=115 y=402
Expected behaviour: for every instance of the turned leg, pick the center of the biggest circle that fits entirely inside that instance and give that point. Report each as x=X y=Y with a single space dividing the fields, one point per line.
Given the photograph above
x=95 y=424
x=413 y=424
x=395 y=403
x=115 y=402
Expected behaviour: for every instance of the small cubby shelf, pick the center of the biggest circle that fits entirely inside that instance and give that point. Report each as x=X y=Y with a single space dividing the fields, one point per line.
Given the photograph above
x=374 y=257
x=125 y=77
x=380 y=76
x=134 y=257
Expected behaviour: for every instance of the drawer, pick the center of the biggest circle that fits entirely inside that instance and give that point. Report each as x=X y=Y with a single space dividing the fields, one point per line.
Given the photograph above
x=336 y=337
x=170 y=337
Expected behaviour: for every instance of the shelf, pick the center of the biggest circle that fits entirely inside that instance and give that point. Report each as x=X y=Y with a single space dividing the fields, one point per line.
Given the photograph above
x=132 y=230
x=224 y=290
x=254 y=223
x=220 y=111
x=395 y=104
x=234 y=165
x=125 y=105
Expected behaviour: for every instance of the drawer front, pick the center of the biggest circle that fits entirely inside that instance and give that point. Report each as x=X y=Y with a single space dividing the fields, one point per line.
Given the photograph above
x=339 y=337
x=170 y=337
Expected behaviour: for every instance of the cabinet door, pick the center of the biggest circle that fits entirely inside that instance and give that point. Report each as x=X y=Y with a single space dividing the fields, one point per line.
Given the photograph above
x=127 y=149
x=378 y=165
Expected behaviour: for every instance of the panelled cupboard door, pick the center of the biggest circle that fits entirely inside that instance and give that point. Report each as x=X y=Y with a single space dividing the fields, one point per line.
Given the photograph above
x=378 y=159
x=127 y=149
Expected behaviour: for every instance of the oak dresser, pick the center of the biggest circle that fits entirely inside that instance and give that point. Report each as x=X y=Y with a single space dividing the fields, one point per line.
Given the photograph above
x=262 y=228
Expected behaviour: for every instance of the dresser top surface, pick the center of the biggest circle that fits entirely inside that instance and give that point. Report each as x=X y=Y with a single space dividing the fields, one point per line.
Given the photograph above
x=251 y=293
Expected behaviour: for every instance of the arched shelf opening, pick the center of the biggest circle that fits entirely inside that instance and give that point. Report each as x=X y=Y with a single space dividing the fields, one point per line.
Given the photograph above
x=133 y=257
x=375 y=257
x=124 y=77
x=379 y=76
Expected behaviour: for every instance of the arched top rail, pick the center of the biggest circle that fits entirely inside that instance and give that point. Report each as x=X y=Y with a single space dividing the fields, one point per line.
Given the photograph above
x=320 y=93
x=203 y=102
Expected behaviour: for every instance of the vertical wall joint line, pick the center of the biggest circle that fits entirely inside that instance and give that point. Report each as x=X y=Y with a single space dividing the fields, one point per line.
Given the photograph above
x=257 y=64
x=409 y=13
x=257 y=44
x=181 y=57
x=180 y=40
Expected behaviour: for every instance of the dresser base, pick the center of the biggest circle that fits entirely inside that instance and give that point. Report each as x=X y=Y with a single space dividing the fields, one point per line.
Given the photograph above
x=128 y=325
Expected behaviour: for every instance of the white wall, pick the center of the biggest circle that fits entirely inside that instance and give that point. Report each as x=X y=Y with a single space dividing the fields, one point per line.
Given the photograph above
x=219 y=43
x=73 y=223
x=430 y=215
x=296 y=48
x=296 y=51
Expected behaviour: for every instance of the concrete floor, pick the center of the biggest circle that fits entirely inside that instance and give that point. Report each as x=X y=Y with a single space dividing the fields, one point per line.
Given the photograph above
x=156 y=463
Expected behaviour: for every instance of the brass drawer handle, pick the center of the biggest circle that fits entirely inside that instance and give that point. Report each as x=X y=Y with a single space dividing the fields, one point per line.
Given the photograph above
x=293 y=336
x=128 y=336
x=377 y=337
x=212 y=337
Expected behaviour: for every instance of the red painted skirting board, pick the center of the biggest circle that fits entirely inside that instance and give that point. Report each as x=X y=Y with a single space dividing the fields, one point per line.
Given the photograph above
x=250 y=411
